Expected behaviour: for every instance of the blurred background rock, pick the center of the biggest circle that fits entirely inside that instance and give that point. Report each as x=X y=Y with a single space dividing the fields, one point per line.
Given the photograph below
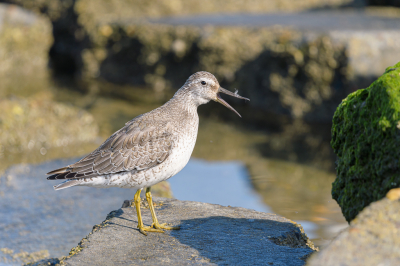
x=374 y=232
x=303 y=74
x=25 y=41
x=74 y=71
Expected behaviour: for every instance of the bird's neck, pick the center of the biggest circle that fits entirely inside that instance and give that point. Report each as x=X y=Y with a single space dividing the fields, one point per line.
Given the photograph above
x=184 y=102
x=188 y=98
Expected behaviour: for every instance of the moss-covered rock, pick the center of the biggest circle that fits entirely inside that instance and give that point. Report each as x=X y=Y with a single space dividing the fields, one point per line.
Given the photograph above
x=366 y=139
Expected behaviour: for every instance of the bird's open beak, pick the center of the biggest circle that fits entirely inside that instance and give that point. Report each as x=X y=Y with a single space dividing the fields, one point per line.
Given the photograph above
x=220 y=100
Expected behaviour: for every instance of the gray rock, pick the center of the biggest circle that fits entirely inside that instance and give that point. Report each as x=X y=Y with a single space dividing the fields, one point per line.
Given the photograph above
x=209 y=235
x=373 y=238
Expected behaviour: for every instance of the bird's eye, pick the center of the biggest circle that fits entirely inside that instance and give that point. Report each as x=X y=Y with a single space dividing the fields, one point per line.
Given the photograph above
x=203 y=83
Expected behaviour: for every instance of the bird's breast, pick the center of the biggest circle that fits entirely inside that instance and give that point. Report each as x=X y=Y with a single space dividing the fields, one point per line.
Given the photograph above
x=183 y=148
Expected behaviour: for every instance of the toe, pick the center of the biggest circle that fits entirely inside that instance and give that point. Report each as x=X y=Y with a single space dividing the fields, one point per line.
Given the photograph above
x=145 y=229
x=142 y=231
x=166 y=227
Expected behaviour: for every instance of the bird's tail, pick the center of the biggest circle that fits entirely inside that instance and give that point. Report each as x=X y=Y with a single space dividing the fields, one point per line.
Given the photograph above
x=67 y=184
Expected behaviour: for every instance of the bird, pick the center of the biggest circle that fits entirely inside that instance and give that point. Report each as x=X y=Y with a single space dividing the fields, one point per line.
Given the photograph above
x=150 y=148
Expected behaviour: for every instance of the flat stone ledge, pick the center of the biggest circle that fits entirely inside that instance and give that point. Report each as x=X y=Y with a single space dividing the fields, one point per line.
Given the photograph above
x=210 y=234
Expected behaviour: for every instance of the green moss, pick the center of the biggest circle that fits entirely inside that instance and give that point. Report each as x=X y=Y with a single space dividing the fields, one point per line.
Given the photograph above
x=366 y=137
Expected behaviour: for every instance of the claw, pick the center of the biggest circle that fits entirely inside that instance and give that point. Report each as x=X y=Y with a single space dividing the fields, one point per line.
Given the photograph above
x=165 y=226
x=149 y=229
x=157 y=228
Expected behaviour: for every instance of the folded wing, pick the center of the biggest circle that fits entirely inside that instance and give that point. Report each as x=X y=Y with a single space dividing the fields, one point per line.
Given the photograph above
x=135 y=147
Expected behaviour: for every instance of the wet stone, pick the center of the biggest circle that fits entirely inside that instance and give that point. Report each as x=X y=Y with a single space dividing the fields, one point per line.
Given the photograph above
x=209 y=235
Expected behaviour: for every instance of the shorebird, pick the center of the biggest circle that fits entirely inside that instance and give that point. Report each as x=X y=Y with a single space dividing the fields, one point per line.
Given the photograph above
x=150 y=148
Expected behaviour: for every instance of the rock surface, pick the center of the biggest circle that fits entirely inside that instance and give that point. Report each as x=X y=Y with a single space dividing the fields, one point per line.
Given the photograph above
x=209 y=235
x=373 y=238
x=365 y=137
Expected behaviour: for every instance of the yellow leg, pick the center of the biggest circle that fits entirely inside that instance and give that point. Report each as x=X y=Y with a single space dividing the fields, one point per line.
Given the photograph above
x=155 y=223
x=141 y=226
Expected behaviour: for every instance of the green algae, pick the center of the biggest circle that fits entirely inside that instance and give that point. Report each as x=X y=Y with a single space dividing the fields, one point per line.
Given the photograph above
x=366 y=137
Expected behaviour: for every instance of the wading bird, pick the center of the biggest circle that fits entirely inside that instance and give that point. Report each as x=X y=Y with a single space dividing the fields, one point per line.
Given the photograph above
x=150 y=148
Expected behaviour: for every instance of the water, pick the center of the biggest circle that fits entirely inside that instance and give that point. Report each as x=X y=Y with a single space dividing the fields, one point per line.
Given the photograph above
x=224 y=183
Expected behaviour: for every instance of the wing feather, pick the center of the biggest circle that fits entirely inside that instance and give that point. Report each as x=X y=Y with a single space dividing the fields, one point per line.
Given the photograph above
x=83 y=169
x=137 y=146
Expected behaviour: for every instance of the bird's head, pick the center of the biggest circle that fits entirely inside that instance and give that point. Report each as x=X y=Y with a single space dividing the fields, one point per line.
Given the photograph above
x=204 y=87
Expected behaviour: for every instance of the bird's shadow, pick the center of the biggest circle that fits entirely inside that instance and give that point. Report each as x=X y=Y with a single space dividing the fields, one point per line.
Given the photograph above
x=238 y=241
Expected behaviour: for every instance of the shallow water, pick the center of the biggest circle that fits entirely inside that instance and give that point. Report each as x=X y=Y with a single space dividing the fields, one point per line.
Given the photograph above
x=224 y=183
x=284 y=167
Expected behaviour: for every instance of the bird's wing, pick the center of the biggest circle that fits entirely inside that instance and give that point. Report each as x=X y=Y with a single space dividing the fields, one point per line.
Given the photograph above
x=137 y=146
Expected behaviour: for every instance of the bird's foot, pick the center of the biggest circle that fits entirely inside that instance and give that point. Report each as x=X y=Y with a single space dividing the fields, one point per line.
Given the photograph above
x=145 y=229
x=165 y=226
x=156 y=228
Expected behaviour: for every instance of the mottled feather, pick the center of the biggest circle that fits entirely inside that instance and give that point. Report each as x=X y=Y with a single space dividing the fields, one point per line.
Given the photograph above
x=134 y=147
